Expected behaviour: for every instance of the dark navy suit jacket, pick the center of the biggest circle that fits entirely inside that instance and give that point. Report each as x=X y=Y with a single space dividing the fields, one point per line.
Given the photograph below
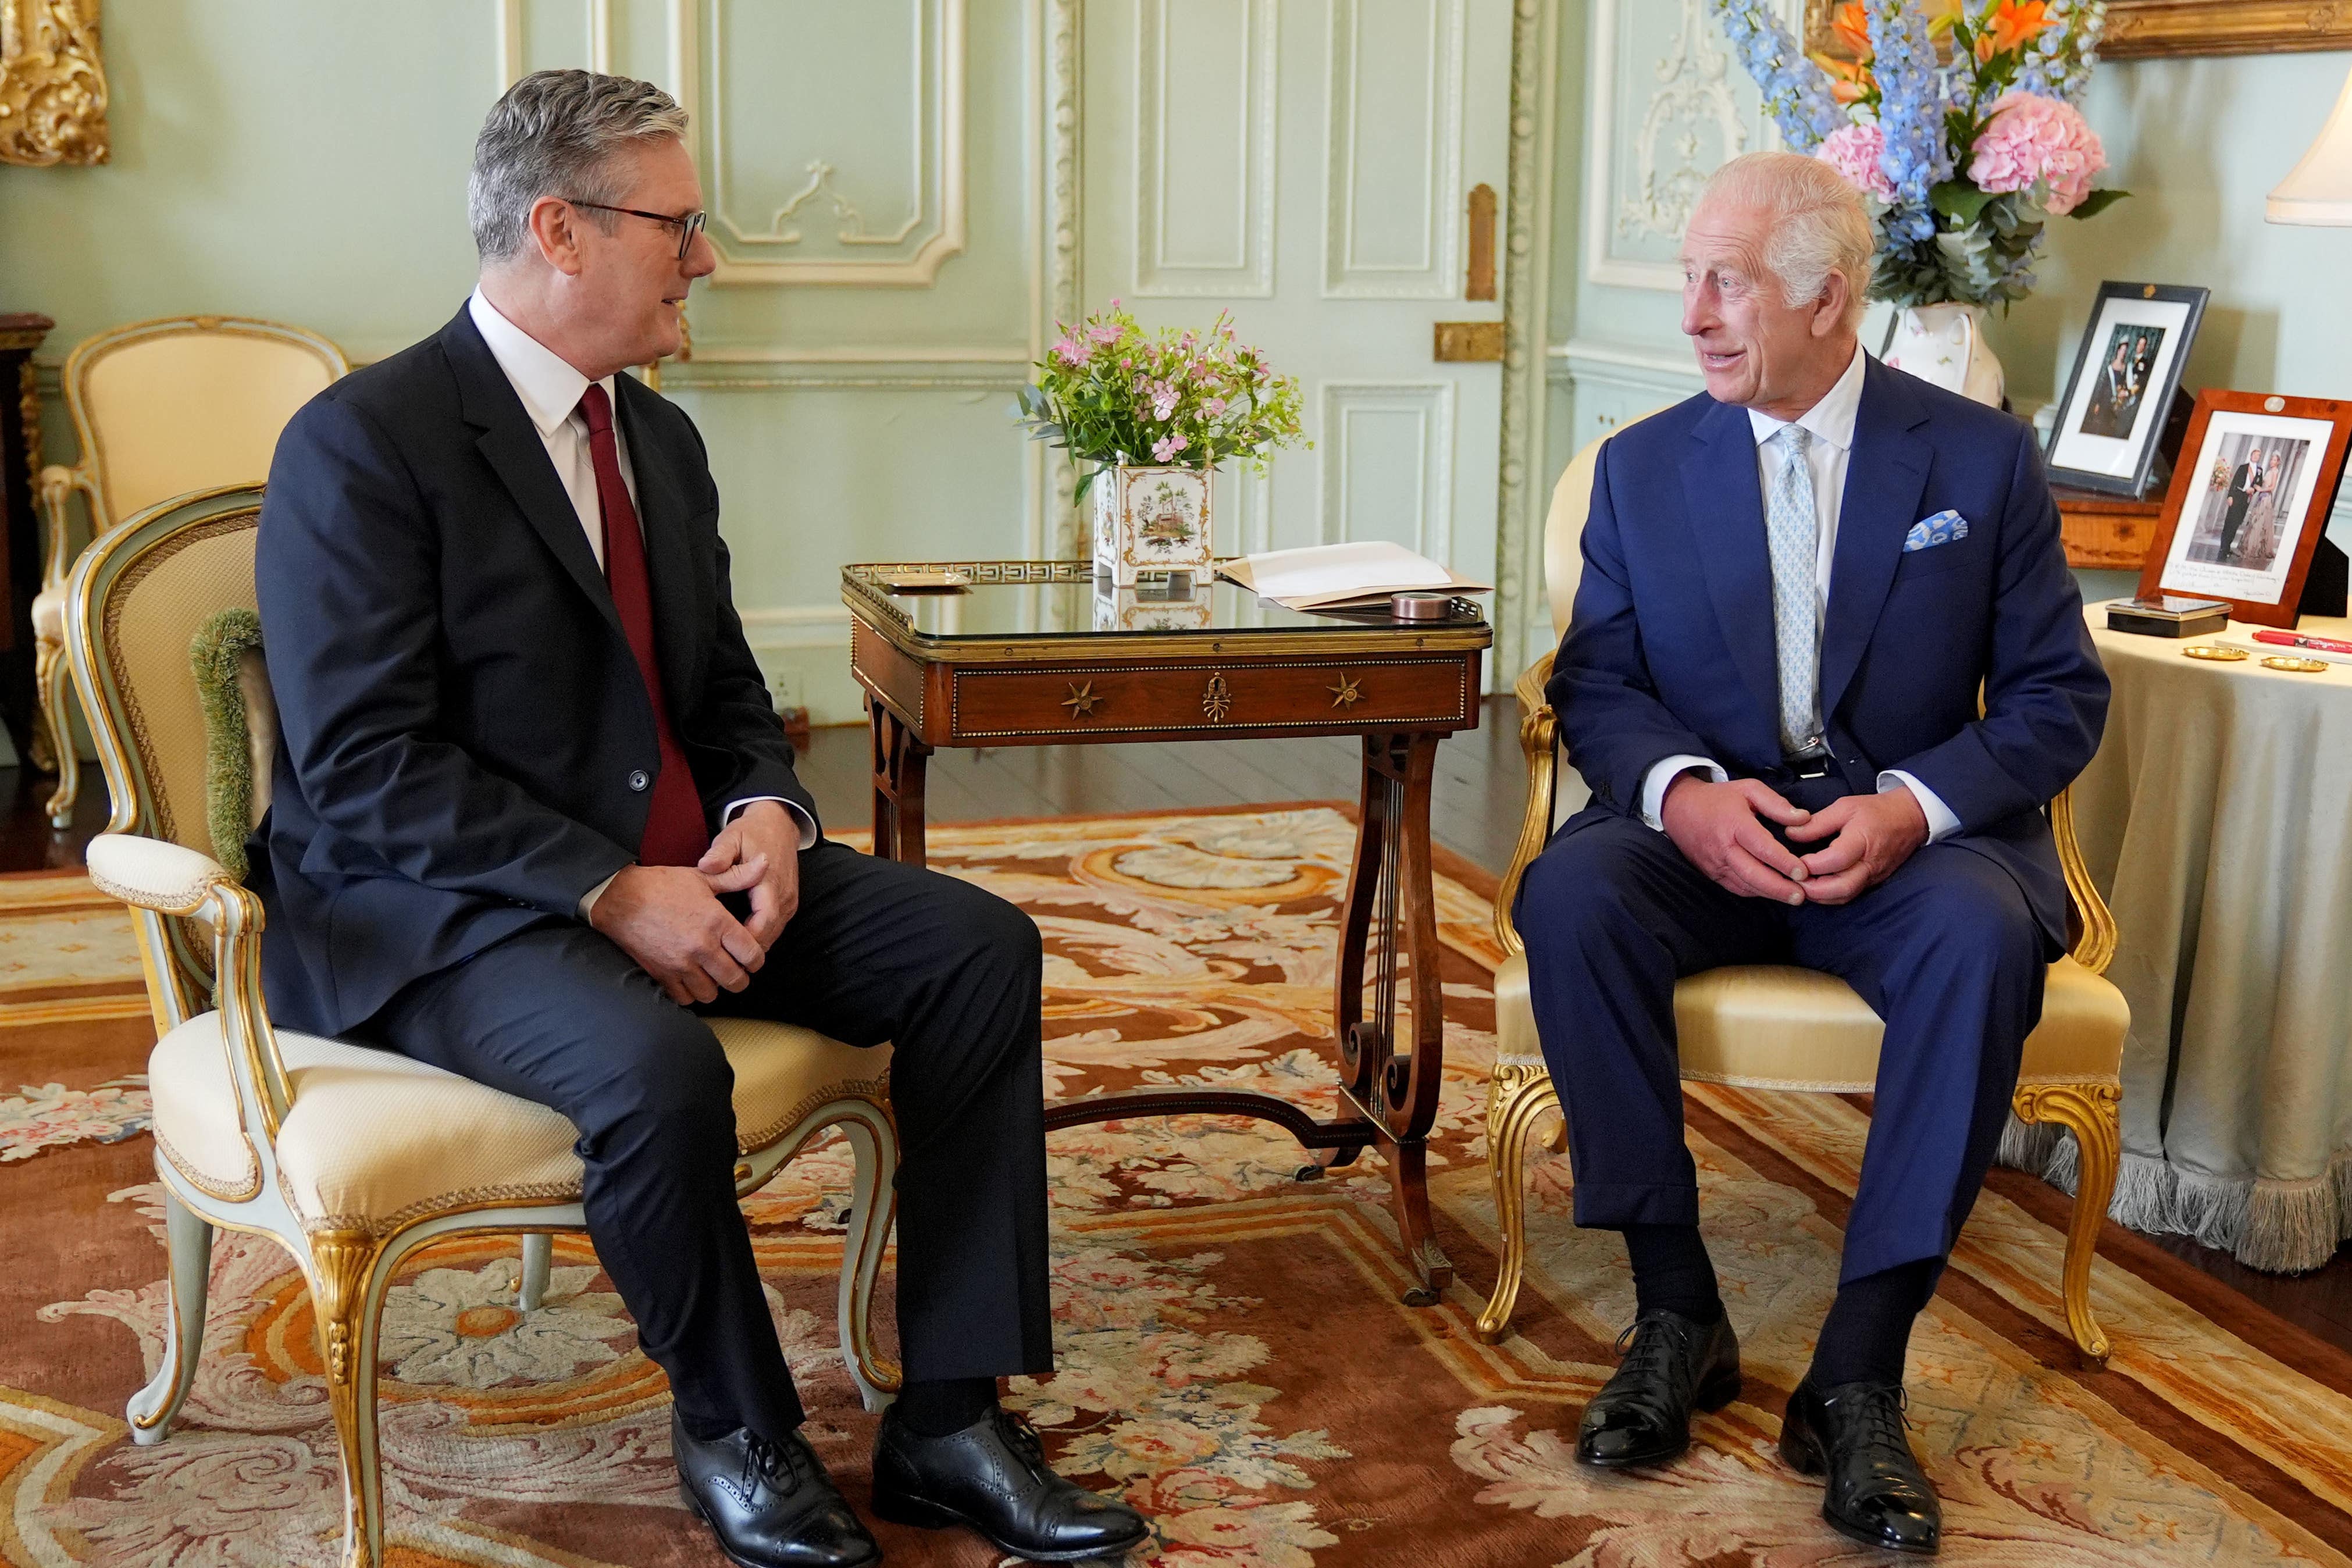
x=466 y=741
x=1671 y=648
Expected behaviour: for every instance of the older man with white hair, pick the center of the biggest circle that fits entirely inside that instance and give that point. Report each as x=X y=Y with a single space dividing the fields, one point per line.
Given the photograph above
x=1797 y=587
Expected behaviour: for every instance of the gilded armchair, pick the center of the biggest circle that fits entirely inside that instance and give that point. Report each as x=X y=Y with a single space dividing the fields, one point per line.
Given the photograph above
x=349 y=1157
x=159 y=408
x=1786 y=1029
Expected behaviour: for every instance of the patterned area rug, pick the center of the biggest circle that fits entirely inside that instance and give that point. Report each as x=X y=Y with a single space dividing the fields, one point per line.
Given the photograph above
x=1233 y=1354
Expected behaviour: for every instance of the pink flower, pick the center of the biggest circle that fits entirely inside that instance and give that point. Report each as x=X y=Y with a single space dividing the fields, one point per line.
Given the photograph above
x=2035 y=144
x=1069 y=353
x=1855 y=151
x=1165 y=449
x=1214 y=406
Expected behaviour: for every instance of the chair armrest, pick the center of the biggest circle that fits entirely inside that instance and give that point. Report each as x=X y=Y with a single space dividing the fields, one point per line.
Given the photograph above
x=1538 y=736
x=2094 y=949
x=169 y=879
x=56 y=485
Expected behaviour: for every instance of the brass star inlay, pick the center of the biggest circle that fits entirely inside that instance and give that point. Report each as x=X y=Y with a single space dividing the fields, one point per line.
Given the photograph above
x=1081 y=700
x=1345 y=694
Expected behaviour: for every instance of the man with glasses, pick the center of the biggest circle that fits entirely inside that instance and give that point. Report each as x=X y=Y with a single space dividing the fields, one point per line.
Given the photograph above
x=535 y=821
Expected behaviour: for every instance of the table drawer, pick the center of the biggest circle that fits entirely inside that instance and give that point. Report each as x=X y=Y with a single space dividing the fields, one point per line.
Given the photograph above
x=1241 y=696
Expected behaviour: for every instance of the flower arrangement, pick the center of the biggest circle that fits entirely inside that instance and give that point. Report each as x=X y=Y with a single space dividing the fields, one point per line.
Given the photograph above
x=1962 y=159
x=1114 y=396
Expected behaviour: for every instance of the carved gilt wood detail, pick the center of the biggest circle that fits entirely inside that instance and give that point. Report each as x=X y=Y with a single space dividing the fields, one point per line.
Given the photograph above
x=52 y=85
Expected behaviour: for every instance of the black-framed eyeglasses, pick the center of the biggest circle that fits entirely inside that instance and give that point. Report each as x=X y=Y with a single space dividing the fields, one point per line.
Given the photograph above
x=688 y=227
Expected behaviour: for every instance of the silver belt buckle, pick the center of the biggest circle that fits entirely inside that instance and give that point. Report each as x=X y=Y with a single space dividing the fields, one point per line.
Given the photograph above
x=1814 y=766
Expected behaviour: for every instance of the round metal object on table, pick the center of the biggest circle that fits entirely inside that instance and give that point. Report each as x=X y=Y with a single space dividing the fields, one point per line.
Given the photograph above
x=2218 y=654
x=1421 y=606
x=2296 y=665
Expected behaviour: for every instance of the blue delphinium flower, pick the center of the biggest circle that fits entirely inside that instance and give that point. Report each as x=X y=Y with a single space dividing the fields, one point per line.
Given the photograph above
x=1796 y=91
x=2059 y=63
x=1911 y=110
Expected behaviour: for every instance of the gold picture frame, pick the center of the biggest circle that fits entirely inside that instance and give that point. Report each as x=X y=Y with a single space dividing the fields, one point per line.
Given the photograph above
x=52 y=84
x=2148 y=30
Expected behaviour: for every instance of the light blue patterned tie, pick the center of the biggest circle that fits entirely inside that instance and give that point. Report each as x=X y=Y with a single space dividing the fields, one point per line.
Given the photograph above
x=1792 y=526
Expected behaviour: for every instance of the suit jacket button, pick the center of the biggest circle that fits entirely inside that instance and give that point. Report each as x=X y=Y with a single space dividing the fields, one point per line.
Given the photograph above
x=639 y=779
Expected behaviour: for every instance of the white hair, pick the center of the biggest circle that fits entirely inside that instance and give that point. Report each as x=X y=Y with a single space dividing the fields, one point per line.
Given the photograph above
x=554 y=134
x=1818 y=226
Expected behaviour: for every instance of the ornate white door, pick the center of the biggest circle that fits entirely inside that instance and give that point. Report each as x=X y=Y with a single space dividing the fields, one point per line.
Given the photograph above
x=1312 y=167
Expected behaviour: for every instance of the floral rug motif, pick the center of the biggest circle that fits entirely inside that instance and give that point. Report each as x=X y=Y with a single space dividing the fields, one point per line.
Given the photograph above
x=1233 y=1354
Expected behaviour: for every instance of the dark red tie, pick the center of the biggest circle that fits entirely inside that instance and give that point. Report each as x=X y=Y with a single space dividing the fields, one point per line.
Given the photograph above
x=675 y=832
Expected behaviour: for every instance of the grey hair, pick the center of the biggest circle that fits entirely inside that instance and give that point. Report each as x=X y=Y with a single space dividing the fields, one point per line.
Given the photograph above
x=554 y=133
x=1819 y=225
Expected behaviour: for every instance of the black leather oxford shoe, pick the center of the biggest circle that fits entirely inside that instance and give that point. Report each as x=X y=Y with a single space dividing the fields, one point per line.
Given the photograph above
x=1854 y=1433
x=1672 y=1366
x=993 y=1476
x=771 y=1504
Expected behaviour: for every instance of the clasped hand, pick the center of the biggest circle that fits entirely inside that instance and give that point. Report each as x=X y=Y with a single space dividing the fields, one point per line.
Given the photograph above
x=669 y=919
x=1719 y=829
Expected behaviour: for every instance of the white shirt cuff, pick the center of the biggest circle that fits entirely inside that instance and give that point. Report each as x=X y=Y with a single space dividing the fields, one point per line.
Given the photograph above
x=1653 y=787
x=1941 y=823
x=808 y=839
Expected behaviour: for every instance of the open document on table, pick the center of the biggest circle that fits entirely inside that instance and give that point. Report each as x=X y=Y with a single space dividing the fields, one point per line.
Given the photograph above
x=1343 y=576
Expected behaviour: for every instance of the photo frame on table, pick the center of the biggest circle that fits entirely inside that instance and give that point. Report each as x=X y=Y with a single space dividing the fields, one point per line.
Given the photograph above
x=2249 y=501
x=2111 y=420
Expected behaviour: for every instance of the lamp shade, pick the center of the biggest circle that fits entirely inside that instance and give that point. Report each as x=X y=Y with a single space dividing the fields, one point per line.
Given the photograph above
x=2319 y=191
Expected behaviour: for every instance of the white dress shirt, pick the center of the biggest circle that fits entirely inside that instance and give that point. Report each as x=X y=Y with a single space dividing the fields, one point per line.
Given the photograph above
x=551 y=391
x=1831 y=424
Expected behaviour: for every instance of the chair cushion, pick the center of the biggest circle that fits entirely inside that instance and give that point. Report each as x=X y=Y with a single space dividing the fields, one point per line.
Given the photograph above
x=49 y=615
x=1771 y=1027
x=377 y=1140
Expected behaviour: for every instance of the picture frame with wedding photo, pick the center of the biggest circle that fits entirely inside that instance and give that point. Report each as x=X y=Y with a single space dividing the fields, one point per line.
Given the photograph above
x=2249 y=502
x=2119 y=398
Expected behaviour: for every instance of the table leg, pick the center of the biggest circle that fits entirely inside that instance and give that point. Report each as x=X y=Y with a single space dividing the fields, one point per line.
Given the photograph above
x=899 y=761
x=1389 y=969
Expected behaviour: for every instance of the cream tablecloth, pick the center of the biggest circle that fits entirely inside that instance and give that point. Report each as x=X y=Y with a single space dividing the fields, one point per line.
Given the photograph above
x=2218 y=818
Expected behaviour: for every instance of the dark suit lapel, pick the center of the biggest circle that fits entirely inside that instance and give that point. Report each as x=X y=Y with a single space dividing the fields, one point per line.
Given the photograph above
x=1725 y=500
x=511 y=445
x=1886 y=477
x=678 y=576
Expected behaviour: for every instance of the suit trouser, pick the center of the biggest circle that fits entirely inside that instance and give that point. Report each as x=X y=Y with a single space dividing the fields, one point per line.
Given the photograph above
x=1946 y=951
x=950 y=974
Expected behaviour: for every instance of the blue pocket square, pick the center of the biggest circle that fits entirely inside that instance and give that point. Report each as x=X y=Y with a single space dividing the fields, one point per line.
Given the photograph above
x=1941 y=529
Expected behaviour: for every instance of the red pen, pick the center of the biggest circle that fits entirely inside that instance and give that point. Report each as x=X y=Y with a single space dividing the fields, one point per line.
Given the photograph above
x=2298 y=639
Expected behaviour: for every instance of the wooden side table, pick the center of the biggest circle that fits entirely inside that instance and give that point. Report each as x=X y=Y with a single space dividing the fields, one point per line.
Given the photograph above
x=1029 y=655
x=20 y=533
x=2104 y=533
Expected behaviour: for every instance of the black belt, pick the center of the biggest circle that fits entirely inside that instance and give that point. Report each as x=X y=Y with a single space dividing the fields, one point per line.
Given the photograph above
x=1813 y=766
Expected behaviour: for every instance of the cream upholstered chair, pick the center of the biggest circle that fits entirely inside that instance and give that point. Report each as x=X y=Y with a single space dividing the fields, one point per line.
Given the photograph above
x=350 y=1157
x=160 y=408
x=1772 y=1026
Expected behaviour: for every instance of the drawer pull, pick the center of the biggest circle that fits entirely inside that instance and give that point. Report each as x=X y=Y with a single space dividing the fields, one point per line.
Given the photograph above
x=1217 y=700
x=1081 y=700
x=1347 y=694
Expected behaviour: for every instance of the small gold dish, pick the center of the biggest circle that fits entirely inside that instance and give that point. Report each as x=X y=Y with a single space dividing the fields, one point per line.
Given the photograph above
x=2297 y=665
x=2217 y=654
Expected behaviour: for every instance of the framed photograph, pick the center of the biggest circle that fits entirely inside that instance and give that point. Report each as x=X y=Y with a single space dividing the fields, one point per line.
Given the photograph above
x=2112 y=414
x=2249 y=502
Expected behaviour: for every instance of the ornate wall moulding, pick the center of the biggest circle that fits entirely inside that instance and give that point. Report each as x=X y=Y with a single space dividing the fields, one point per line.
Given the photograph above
x=52 y=85
x=1666 y=114
x=2148 y=30
x=817 y=222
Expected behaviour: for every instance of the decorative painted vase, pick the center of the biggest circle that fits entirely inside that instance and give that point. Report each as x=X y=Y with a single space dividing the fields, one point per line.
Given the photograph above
x=1150 y=607
x=1150 y=518
x=1944 y=344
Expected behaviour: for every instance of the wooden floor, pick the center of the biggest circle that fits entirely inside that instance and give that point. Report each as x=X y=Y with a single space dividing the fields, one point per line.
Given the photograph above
x=1478 y=796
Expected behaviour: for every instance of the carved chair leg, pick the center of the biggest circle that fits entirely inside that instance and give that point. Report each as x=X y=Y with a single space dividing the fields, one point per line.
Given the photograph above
x=2093 y=1113
x=538 y=1258
x=343 y=1297
x=55 y=683
x=874 y=1147
x=188 y=1246
x=1518 y=1099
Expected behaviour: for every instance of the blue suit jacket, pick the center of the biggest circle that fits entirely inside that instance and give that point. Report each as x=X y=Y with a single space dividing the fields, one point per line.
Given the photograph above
x=461 y=717
x=1671 y=647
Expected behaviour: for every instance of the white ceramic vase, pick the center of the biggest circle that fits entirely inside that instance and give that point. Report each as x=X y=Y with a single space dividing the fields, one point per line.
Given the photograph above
x=1944 y=344
x=1150 y=518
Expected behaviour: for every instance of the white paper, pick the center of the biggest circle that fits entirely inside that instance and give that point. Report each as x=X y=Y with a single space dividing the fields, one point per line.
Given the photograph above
x=1322 y=570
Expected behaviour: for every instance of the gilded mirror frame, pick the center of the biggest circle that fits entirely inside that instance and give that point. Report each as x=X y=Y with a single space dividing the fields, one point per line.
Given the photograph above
x=2147 y=29
x=52 y=83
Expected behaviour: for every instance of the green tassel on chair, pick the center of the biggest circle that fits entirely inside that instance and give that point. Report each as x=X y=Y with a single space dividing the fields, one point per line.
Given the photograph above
x=214 y=652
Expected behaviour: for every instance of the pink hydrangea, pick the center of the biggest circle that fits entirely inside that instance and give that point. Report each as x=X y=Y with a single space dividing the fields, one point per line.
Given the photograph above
x=2034 y=143
x=1855 y=151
